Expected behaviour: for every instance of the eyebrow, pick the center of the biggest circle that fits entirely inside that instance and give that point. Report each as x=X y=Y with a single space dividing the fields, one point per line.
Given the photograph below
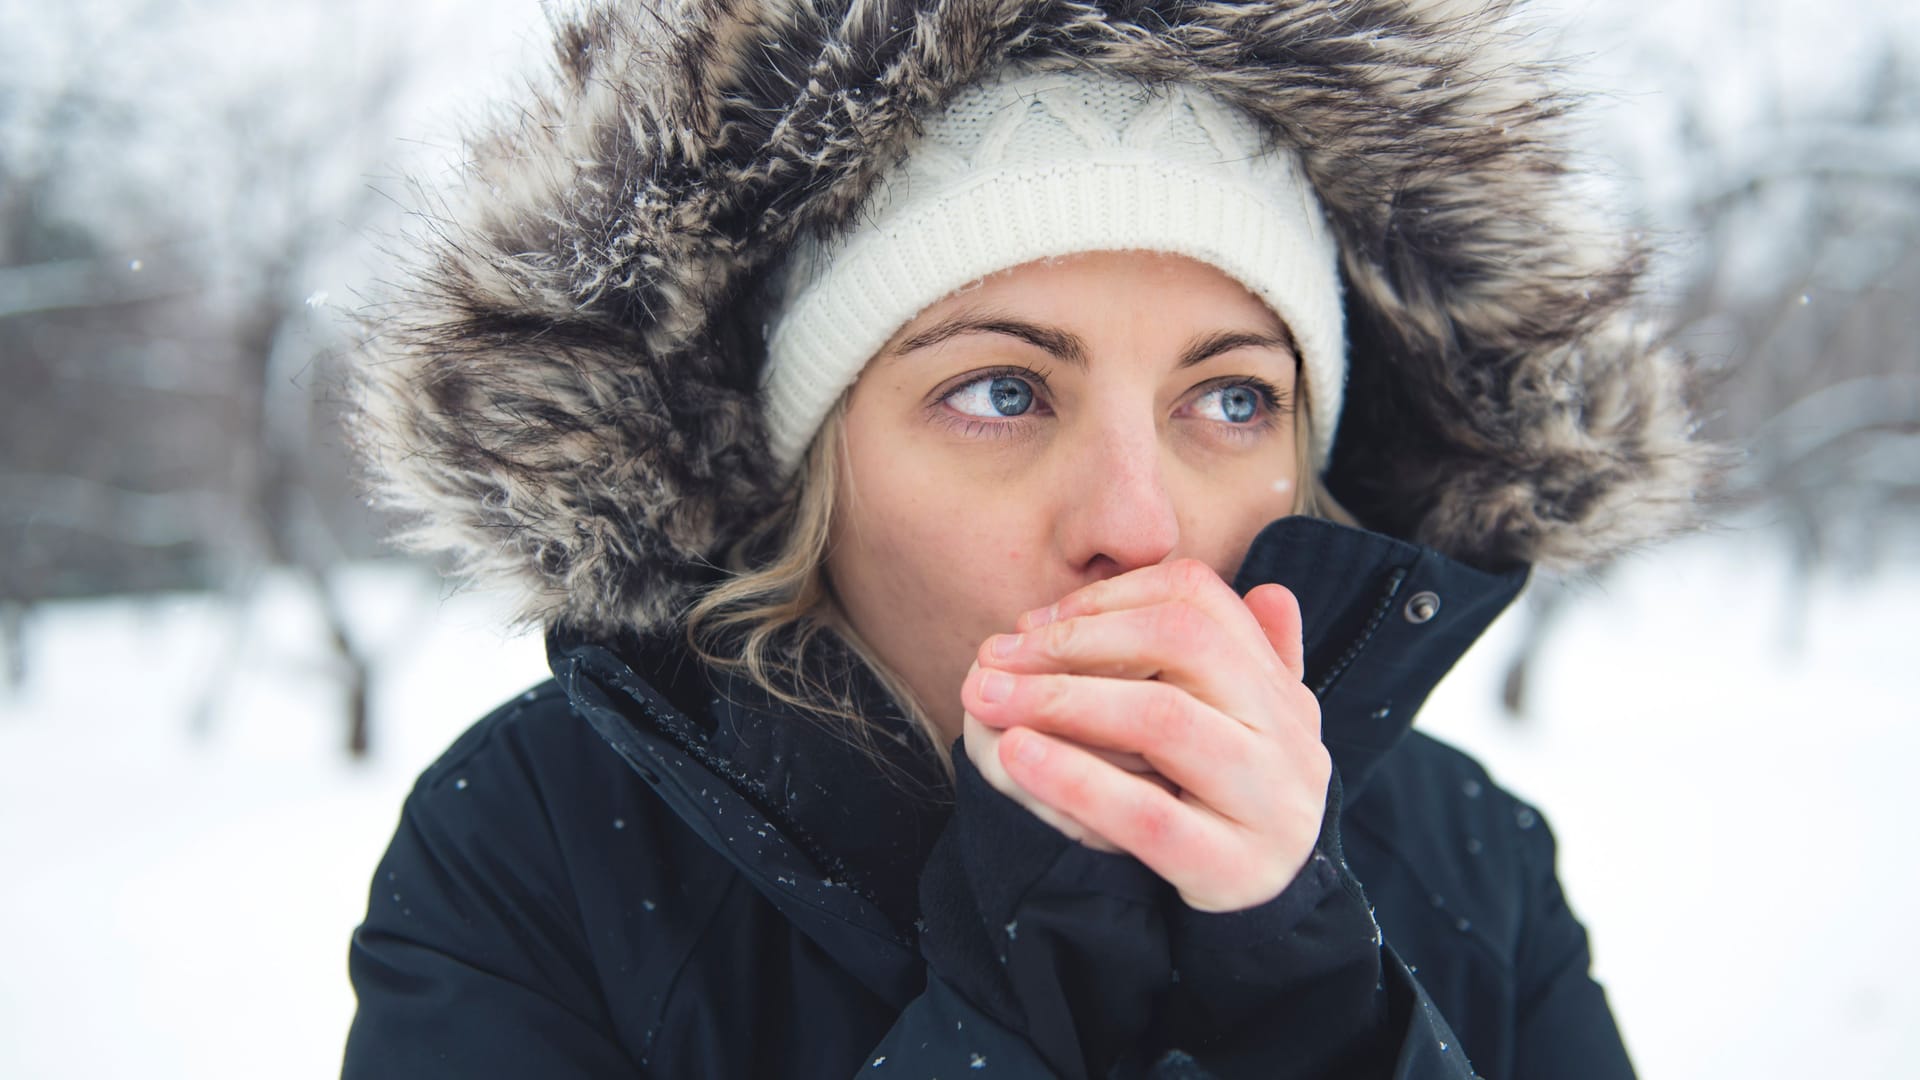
x=1070 y=349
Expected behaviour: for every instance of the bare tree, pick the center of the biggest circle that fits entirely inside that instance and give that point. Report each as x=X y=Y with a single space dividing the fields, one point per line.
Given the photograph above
x=162 y=352
x=1800 y=286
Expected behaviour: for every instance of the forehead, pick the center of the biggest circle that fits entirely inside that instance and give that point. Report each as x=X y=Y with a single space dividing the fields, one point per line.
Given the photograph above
x=1060 y=288
x=1075 y=307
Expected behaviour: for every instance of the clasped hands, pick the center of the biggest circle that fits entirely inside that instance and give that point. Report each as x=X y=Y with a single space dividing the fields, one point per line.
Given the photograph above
x=1157 y=713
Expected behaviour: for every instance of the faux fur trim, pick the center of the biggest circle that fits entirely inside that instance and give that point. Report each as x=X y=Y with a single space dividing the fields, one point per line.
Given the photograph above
x=561 y=391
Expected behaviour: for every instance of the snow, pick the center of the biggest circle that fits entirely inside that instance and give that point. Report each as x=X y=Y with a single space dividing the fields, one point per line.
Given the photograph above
x=186 y=847
x=178 y=891
x=1727 y=781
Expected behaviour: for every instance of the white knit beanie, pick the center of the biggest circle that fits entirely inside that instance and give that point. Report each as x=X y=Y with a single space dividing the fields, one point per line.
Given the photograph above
x=1045 y=164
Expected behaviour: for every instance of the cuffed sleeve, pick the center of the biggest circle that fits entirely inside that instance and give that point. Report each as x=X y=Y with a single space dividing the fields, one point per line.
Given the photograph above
x=1307 y=986
x=1290 y=988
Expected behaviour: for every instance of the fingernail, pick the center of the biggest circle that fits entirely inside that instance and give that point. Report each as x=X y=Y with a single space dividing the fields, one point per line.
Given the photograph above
x=1039 y=617
x=1005 y=645
x=1029 y=749
x=996 y=686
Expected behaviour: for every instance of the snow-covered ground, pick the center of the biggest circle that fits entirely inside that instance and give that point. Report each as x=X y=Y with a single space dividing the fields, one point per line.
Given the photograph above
x=178 y=875
x=1729 y=783
x=184 y=848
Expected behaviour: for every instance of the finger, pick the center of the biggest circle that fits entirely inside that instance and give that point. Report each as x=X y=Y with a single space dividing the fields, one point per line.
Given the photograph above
x=1178 y=841
x=1174 y=641
x=1195 y=747
x=988 y=737
x=981 y=744
x=1183 y=579
x=1277 y=611
x=1127 y=761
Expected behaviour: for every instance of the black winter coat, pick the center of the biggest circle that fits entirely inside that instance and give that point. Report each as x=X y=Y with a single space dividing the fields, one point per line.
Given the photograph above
x=627 y=873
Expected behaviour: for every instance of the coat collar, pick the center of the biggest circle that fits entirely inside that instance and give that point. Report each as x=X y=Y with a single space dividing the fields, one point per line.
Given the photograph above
x=1384 y=619
x=768 y=810
x=833 y=834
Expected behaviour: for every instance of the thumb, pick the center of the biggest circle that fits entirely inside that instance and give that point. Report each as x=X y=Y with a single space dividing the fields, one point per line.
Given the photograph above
x=1277 y=611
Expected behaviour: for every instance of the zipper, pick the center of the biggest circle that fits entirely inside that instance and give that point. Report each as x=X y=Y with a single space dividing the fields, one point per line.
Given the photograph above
x=1381 y=608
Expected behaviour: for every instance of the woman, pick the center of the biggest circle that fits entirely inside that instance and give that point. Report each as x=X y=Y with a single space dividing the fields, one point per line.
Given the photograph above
x=918 y=427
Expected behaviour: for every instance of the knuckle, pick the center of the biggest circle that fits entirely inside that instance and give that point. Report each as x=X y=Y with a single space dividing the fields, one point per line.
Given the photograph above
x=1319 y=766
x=1092 y=597
x=1152 y=822
x=1176 y=623
x=1059 y=639
x=1165 y=715
x=1048 y=696
x=1191 y=577
x=1071 y=786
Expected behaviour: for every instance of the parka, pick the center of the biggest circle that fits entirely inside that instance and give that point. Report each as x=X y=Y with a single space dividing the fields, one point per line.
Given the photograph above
x=645 y=867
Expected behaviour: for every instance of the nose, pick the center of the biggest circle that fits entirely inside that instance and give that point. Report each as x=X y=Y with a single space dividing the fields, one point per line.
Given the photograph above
x=1116 y=511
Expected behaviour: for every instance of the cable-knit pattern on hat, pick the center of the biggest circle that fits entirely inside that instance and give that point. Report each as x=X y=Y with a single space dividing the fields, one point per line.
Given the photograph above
x=1042 y=164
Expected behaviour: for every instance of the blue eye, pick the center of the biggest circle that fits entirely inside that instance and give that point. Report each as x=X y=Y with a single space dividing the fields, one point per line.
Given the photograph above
x=1232 y=404
x=1000 y=396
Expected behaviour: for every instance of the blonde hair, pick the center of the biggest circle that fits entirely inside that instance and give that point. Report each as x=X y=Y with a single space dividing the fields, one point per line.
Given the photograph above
x=767 y=621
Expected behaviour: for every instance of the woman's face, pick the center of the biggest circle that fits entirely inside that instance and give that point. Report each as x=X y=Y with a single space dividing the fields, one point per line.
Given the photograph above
x=1057 y=423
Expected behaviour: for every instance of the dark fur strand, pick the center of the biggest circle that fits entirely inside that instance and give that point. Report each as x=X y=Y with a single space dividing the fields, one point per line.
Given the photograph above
x=562 y=393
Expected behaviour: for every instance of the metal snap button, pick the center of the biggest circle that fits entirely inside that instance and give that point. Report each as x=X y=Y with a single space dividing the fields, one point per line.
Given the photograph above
x=1421 y=607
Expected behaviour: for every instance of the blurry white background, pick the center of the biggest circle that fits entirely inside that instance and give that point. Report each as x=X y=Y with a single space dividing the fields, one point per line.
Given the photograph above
x=215 y=691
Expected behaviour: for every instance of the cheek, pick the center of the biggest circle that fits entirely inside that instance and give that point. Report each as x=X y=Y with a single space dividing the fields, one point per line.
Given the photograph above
x=1233 y=501
x=941 y=529
x=942 y=549
x=925 y=570
x=1276 y=498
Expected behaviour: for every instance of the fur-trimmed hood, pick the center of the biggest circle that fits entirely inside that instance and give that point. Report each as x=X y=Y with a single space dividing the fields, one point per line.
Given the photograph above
x=561 y=390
